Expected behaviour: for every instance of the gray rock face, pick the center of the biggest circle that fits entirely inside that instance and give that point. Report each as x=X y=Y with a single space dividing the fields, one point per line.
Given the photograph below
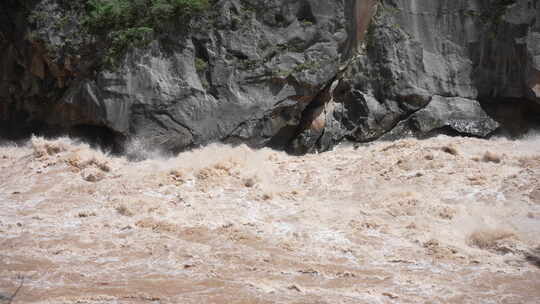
x=418 y=52
x=461 y=115
x=455 y=115
x=291 y=75
x=240 y=62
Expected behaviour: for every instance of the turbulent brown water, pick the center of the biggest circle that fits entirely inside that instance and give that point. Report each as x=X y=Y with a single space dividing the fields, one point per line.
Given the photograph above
x=444 y=220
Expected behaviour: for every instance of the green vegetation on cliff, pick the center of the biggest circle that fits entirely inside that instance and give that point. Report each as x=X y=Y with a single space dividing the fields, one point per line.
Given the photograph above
x=133 y=23
x=104 y=30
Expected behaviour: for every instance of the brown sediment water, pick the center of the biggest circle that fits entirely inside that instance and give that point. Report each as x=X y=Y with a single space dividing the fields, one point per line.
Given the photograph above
x=443 y=220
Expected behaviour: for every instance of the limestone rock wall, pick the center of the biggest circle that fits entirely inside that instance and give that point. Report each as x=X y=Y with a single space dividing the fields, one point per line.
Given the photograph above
x=295 y=75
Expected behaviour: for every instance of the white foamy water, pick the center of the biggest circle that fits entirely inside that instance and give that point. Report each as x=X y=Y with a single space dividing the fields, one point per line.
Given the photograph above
x=446 y=220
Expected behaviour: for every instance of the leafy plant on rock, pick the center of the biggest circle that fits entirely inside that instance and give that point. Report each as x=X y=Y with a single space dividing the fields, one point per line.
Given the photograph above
x=122 y=24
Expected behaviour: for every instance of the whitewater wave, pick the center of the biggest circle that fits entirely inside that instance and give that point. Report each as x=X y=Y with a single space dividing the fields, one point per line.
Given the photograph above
x=389 y=220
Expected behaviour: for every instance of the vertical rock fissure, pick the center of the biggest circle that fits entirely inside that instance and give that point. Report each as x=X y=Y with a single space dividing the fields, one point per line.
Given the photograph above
x=358 y=14
x=312 y=126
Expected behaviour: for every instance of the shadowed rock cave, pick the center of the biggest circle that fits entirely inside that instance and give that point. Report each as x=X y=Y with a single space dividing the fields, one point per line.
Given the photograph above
x=18 y=130
x=516 y=117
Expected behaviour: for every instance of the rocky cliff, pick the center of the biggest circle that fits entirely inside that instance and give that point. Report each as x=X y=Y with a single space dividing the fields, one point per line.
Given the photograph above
x=295 y=75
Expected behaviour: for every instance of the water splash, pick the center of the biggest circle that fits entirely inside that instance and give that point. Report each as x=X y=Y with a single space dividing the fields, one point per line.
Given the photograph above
x=235 y=223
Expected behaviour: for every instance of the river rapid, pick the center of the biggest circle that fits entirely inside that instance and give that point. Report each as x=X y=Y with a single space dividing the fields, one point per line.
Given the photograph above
x=441 y=220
